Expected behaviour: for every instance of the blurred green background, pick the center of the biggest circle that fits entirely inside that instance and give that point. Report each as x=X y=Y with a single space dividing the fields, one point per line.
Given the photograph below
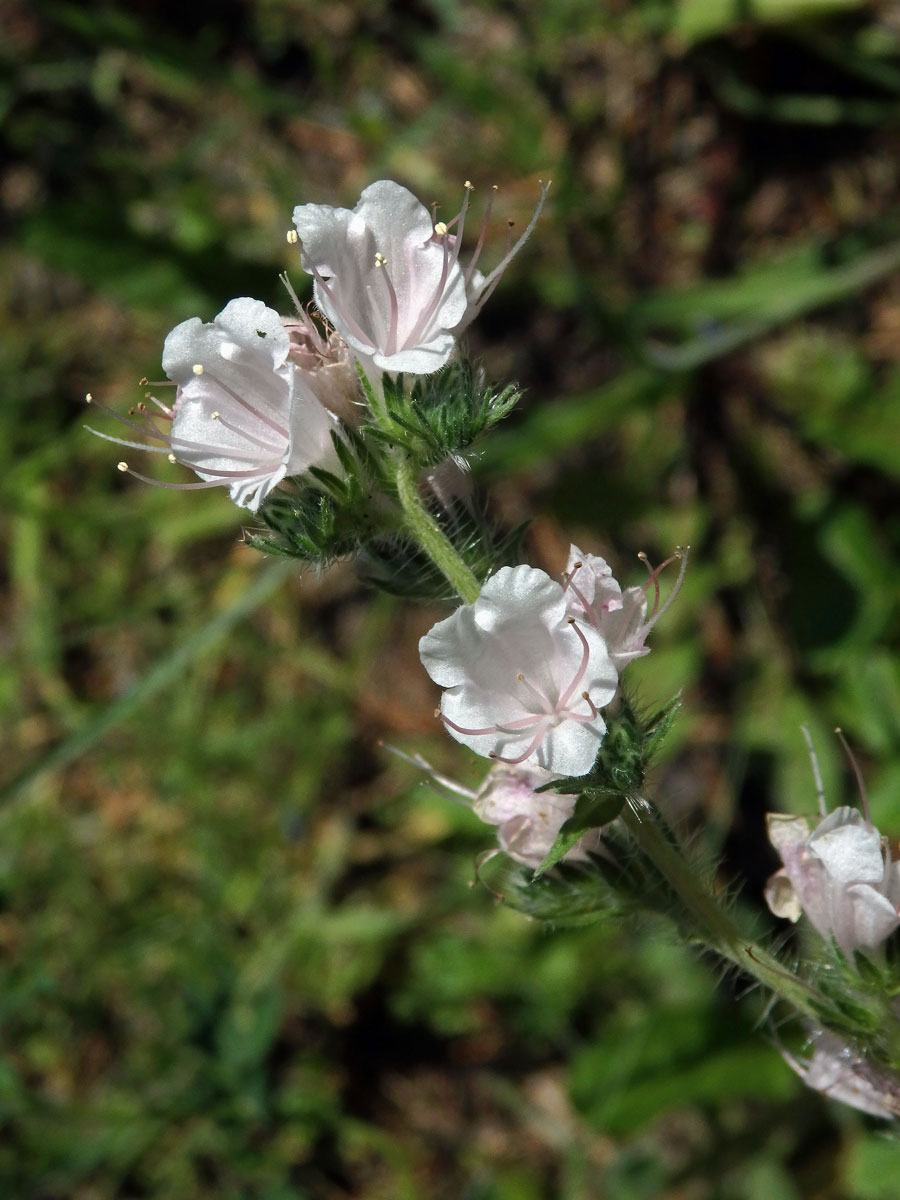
x=241 y=955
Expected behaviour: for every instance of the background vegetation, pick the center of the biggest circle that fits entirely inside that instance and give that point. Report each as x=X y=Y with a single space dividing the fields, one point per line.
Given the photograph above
x=240 y=956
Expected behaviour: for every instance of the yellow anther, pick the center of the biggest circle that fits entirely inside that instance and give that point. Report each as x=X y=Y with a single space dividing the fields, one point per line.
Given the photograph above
x=122 y=466
x=293 y=237
x=197 y=368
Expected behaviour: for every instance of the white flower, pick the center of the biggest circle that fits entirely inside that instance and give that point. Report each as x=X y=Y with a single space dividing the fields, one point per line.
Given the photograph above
x=622 y=617
x=840 y=875
x=389 y=280
x=838 y=1072
x=524 y=681
x=244 y=416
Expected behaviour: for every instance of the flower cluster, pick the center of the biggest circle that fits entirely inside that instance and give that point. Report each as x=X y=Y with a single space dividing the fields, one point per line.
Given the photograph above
x=259 y=397
x=364 y=406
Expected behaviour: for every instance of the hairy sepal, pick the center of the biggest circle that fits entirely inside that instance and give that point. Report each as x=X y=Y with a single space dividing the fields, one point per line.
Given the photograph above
x=442 y=415
x=575 y=894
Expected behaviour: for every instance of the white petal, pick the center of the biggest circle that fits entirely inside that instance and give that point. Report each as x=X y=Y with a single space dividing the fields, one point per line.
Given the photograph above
x=571 y=748
x=849 y=848
x=311 y=428
x=395 y=216
x=233 y=337
x=874 y=918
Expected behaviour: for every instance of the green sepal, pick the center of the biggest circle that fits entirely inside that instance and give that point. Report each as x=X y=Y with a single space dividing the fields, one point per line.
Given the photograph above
x=443 y=414
x=625 y=752
x=592 y=809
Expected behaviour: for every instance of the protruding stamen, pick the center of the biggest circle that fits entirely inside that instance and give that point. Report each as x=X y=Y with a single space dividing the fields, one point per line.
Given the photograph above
x=123 y=467
x=520 y=725
x=462 y=729
x=346 y=317
x=437 y=295
x=288 y=286
x=479 y=245
x=191 y=487
x=569 y=584
x=494 y=278
x=860 y=783
x=440 y=229
x=817 y=774
x=527 y=753
x=681 y=554
x=579 y=674
x=455 y=790
x=293 y=237
x=393 y=326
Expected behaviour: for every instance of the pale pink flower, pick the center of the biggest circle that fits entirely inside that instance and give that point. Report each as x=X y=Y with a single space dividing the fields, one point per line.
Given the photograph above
x=839 y=1072
x=624 y=618
x=840 y=875
x=524 y=679
x=244 y=416
x=389 y=279
x=528 y=821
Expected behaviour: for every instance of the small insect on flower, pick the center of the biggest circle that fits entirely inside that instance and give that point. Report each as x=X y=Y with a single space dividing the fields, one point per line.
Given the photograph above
x=244 y=416
x=524 y=680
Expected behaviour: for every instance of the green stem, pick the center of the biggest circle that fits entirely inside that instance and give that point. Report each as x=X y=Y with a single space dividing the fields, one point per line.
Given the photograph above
x=421 y=525
x=712 y=923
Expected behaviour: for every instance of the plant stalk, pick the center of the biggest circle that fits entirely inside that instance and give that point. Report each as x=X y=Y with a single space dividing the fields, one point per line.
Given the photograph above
x=712 y=923
x=421 y=525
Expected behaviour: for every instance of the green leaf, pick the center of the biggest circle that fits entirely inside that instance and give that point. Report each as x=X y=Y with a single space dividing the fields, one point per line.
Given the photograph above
x=593 y=808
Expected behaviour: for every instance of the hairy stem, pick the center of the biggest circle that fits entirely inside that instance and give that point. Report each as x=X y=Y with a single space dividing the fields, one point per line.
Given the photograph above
x=421 y=525
x=712 y=923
